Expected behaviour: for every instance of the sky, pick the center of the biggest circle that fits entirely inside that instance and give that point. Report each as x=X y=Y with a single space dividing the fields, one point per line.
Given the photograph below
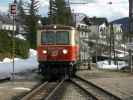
x=99 y=8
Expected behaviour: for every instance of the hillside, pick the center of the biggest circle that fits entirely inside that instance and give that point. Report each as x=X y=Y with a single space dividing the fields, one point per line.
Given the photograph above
x=124 y=23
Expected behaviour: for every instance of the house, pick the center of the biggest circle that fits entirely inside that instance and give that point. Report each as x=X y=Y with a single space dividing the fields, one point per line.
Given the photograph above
x=83 y=33
x=6 y=23
x=124 y=22
x=90 y=30
x=121 y=29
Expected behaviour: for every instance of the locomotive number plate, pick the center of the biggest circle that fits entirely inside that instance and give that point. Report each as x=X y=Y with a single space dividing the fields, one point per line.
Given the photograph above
x=54 y=53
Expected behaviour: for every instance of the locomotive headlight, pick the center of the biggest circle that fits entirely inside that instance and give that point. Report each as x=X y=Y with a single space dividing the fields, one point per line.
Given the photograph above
x=65 y=51
x=44 y=51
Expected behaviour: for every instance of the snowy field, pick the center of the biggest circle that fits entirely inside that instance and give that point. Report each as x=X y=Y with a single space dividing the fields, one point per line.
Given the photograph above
x=105 y=65
x=120 y=65
x=6 y=66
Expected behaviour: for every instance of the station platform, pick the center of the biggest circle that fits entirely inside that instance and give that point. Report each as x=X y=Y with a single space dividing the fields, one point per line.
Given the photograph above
x=115 y=82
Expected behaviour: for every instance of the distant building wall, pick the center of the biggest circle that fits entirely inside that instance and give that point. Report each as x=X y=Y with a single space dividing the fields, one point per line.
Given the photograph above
x=83 y=33
x=0 y=25
x=8 y=27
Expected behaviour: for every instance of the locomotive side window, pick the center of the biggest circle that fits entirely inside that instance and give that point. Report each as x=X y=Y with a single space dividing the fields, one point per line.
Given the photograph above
x=62 y=37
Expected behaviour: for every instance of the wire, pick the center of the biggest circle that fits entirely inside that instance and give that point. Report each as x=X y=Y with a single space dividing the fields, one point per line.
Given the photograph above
x=79 y=2
x=87 y=2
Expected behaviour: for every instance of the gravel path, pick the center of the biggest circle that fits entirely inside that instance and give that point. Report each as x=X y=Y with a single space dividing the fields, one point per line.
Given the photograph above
x=11 y=89
x=23 y=83
x=118 y=83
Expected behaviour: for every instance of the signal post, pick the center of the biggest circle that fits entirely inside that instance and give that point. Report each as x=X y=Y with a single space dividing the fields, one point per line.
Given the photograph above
x=13 y=12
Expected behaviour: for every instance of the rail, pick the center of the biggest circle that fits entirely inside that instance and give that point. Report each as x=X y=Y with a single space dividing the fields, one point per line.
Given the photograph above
x=44 y=91
x=32 y=93
x=53 y=92
x=97 y=92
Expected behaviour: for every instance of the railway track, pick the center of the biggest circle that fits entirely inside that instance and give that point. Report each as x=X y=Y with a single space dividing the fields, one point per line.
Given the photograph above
x=96 y=92
x=45 y=91
x=74 y=92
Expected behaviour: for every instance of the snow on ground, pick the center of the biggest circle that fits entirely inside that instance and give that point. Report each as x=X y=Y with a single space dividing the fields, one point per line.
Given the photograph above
x=121 y=55
x=6 y=66
x=105 y=65
x=20 y=36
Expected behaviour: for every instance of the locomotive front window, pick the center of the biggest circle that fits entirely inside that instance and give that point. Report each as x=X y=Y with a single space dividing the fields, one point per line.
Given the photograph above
x=62 y=37
x=48 y=37
x=58 y=37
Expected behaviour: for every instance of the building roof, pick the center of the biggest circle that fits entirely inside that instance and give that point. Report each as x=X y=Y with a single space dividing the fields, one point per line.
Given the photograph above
x=54 y=27
x=124 y=23
x=5 y=19
x=124 y=20
x=95 y=21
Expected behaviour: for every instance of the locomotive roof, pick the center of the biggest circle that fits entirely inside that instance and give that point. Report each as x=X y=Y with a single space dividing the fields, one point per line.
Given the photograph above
x=54 y=27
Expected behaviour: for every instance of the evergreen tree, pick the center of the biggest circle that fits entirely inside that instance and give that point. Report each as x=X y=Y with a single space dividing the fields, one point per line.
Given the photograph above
x=31 y=22
x=60 y=12
x=44 y=20
x=52 y=12
x=20 y=12
x=63 y=14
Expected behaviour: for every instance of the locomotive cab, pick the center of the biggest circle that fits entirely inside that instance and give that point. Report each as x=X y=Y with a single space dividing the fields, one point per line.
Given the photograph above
x=58 y=50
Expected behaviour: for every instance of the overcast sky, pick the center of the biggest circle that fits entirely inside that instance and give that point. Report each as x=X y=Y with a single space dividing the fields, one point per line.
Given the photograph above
x=99 y=8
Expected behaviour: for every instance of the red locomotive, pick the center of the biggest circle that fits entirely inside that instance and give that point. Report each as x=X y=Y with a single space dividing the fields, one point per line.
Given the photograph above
x=58 y=50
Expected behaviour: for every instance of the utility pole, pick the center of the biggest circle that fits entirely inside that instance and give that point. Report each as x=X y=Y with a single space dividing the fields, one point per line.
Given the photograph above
x=110 y=45
x=110 y=39
x=80 y=2
x=113 y=43
x=51 y=12
x=130 y=31
x=74 y=18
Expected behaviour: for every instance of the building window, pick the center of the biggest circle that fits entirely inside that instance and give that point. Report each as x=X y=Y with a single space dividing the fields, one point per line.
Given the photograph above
x=86 y=27
x=9 y=28
x=4 y=28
